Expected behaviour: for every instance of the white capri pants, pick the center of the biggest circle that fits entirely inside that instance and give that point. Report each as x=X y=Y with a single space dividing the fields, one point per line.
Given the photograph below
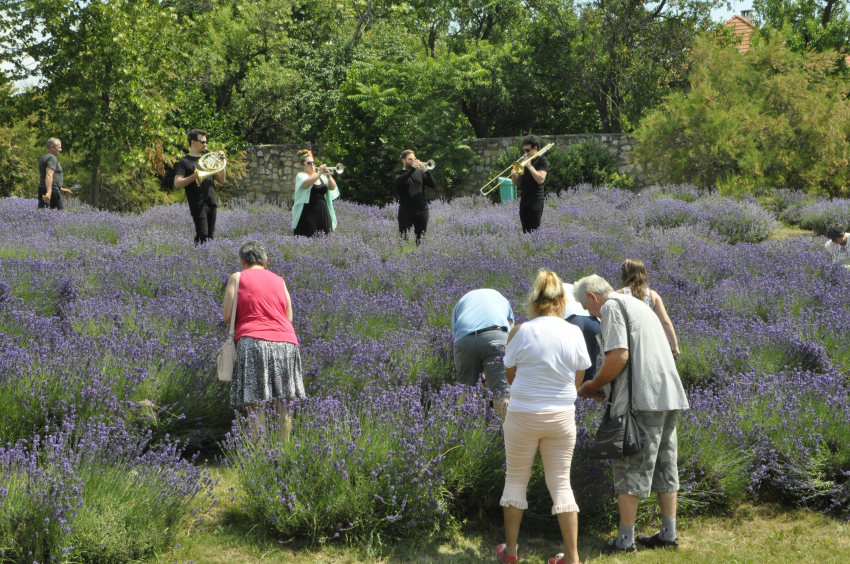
x=554 y=432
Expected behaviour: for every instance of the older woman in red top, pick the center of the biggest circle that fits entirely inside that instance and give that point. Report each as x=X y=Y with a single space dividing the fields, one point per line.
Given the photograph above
x=268 y=362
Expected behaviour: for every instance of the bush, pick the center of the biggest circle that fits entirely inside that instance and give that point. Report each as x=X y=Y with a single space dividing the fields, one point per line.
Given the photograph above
x=818 y=214
x=768 y=119
x=19 y=154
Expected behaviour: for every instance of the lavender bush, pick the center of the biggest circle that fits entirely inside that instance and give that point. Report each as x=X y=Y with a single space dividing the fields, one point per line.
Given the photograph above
x=114 y=319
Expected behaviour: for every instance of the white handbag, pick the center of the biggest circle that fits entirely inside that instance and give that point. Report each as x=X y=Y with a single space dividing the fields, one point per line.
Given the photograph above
x=225 y=360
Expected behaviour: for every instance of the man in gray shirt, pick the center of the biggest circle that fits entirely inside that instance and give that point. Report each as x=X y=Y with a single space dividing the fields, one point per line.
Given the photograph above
x=50 y=177
x=657 y=398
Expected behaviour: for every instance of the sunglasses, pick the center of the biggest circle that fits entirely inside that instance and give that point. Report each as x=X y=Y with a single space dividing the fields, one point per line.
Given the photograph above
x=527 y=150
x=201 y=142
x=310 y=162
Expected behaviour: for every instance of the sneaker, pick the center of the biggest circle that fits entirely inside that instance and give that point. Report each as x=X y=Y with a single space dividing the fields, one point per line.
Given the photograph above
x=500 y=554
x=611 y=547
x=655 y=541
x=557 y=559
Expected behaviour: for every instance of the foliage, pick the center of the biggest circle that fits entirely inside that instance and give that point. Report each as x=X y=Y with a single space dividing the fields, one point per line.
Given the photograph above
x=770 y=118
x=19 y=154
x=819 y=25
x=623 y=54
x=582 y=162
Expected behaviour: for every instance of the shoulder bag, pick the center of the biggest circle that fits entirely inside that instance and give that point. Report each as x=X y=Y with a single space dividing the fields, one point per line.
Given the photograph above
x=621 y=436
x=225 y=360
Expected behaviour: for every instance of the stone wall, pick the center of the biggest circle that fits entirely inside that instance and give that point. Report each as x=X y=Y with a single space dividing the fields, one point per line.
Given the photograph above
x=272 y=168
x=621 y=145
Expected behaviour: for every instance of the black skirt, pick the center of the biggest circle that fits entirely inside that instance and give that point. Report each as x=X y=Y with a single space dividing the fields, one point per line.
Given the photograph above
x=315 y=217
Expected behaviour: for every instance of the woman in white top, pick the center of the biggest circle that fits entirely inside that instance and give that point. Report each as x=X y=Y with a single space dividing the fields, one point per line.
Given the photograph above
x=633 y=279
x=545 y=360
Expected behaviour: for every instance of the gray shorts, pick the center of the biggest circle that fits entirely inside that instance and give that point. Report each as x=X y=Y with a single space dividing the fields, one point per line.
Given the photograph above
x=655 y=468
x=485 y=353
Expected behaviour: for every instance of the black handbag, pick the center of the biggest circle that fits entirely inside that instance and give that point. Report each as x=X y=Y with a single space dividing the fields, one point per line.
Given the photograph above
x=621 y=436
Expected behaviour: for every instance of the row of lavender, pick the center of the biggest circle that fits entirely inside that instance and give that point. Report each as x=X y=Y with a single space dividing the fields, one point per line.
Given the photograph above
x=108 y=324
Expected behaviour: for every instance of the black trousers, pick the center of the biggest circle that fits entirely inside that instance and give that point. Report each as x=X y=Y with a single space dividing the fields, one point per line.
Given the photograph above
x=56 y=201
x=530 y=214
x=418 y=219
x=204 y=218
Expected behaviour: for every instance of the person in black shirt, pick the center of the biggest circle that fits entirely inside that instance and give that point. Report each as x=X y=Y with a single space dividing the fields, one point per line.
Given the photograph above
x=530 y=183
x=50 y=177
x=200 y=194
x=412 y=204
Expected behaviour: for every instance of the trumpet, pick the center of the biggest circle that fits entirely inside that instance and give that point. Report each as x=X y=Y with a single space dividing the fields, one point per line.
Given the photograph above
x=210 y=164
x=517 y=167
x=430 y=165
x=339 y=168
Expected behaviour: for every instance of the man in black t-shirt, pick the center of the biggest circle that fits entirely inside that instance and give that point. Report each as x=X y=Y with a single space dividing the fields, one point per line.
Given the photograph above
x=50 y=177
x=201 y=195
x=412 y=204
x=530 y=183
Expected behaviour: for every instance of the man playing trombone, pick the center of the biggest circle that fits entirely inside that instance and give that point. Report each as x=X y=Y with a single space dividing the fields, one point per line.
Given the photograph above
x=412 y=204
x=530 y=183
x=199 y=192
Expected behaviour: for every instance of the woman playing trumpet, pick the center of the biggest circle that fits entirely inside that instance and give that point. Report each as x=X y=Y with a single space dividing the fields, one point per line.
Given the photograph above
x=315 y=190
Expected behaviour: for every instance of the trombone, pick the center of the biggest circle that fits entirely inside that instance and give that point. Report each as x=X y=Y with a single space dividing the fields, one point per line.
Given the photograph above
x=517 y=167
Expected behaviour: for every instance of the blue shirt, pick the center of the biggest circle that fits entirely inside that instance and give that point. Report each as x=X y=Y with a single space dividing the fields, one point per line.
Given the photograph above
x=590 y=328
x=480 y=309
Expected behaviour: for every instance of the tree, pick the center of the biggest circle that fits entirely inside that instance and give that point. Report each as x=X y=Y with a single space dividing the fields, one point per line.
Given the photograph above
x=820 y=25
x=623 y=54
x=104 y=70
x=770 y=118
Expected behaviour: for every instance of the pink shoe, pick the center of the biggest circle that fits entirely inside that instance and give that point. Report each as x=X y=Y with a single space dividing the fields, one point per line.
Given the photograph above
x=557 y=559
x=500 y=553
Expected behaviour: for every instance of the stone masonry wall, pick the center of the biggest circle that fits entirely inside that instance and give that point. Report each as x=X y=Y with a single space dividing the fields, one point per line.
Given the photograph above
x=272 y=168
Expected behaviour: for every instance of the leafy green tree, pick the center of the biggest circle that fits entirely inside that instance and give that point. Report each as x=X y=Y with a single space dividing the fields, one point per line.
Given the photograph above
x=770 y=118
x=821 y=25
x=624 y=54
x=105 y=71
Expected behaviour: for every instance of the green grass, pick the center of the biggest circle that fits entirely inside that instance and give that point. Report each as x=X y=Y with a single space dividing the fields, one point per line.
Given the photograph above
x=750 y=534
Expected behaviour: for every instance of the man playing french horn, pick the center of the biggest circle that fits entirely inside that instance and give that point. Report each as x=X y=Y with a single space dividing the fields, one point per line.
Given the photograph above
x=530 y=183
x=410 y=185
x=200 y=187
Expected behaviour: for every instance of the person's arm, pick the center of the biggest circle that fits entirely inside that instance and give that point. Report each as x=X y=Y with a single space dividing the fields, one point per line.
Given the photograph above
x=288 y=303
x=229 y=292
x=180 y=178
x=48 y=185
x=221 y=177
x=538 y=175
x=311 y=179
x=579 y=378
x=661 y=312
x=401 y=178
x=428 y=179
x=331 y=182
x=510 y=373
x=615 y=362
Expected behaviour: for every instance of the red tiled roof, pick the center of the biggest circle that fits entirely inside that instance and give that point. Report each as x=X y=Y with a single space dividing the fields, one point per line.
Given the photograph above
x=742 y=27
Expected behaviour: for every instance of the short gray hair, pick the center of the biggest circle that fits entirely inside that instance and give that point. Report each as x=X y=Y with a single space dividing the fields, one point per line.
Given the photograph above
x=253 y=253
x=52 y=142
x=592 y=283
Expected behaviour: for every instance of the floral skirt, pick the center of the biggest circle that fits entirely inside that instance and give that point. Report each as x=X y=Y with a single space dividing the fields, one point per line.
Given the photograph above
x=265 y=370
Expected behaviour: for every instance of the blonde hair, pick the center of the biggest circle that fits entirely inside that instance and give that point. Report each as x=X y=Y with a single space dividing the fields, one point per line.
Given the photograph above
x=547 y=295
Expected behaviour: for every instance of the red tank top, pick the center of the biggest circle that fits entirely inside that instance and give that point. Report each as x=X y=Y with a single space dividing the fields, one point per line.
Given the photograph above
x=261 y=307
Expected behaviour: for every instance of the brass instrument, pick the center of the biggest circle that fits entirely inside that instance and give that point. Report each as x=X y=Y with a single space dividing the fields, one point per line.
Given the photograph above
x=339 y=168
x=430 y=165
x=210 y=164
x=517 y=167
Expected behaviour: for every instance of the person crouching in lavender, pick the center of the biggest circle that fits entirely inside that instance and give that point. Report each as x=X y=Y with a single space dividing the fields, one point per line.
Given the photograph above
x=837 y=244
x=657 y=398
x=545 y=360
x=268 y=361
x=480 y=324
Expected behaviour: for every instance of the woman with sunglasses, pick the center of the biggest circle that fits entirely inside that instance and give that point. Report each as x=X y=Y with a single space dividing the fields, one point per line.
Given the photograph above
x=315 y=190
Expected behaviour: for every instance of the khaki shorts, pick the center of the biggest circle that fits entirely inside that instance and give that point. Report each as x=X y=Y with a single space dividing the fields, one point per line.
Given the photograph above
x=655 y=468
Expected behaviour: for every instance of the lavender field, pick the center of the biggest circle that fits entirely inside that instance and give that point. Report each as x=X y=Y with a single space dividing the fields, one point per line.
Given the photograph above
x=109 y=324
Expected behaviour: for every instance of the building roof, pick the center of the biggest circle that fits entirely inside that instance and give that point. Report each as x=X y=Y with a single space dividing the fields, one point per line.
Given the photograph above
x=743 y=28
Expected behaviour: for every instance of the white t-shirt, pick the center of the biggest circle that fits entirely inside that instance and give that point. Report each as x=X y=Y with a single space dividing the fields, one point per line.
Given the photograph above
x=546 y=351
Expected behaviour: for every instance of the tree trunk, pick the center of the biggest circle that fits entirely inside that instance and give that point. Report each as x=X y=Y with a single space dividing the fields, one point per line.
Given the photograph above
x=94 y=199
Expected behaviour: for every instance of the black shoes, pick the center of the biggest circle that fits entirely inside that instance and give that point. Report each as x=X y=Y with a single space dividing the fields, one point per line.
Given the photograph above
x=611 y=547
x=655 y=541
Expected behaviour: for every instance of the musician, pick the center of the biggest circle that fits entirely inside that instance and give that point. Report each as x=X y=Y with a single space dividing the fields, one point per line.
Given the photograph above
x=412 y=205
x=200 y=194
x=315 y=191
x=531 y=185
